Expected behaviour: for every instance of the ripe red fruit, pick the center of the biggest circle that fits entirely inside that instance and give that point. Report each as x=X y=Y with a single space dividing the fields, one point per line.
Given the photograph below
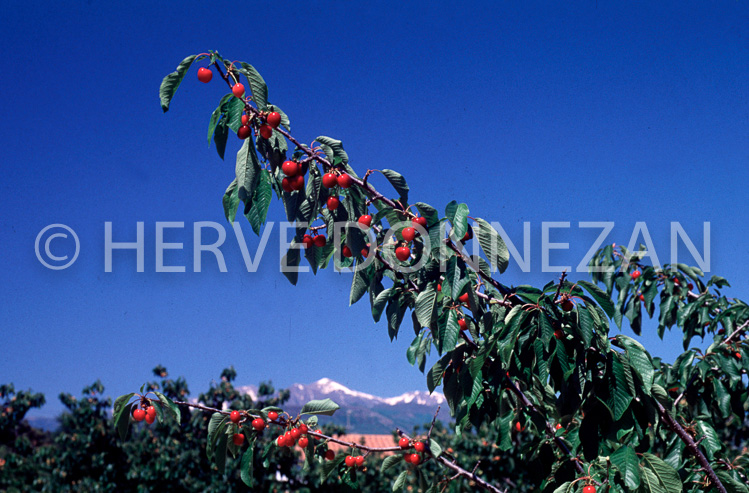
x=559 y=334
x=359 y=460
x=245 y=119
x=439 y=288
x=303 y=442
x=333 y=203
x=635 y=274
x=589 y=489
x=402 y=253
x=364 y=252
x=421 y=221
x=676 y=281
x=463 y=298
x=468 y=235
x=558 y=427
x=296 y=182
x=303 y=428
x=329 y=454
x=419 y=446
x=286 y=185
x=407 y=458
x=690 y=286
x=289 y=438
x=238 y=439
x=150 y=418
x=720 y=331
x=150 y=411
x=266 y=131
x=296 y=433
x=139 y=414
x=243 y=132
x=365 y=220
x=281 y=441
x=345 y=181
x=235 y=417
x=273 y=415
x=567 y=305
x=415 y=459
x=463 y=326
x=518 y=426
x=258 y=424
x=238 y=90
x=274 y=119
x=329 y=180
x=408 y=234
x=205 y=75
x=403 y=443
x=738 y=355
x=319 y=241
x=350 y=461
x=346 y=251
x=642 y=297
x=290 y=168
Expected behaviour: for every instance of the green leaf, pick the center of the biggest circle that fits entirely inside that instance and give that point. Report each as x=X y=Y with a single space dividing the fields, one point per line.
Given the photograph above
x=428 y=212
x=619 y=397
x=425 y=305
x=220 y=452
x=639 y=359
x=625 y=460
x=171 y=82
x=290 y=262
x=458 y=216
x=398 y=182
x=567 y=487
x=325 y=406
x=359 y=286
x=247 y=171
x=170 y=406
x=220 y=136
x=119 y=406
x=400 y=481
x=216 y=427
x=332 y=465
x=394 y=312
x=666 y=475
x=449 y=331
x=390 y=461
x=435 y=448
x=600 y=296
x=122 y=420
x=260 y=202
x=216 y=115
x=246 y=466
x=711 y=442
x=258 y=88
x=493 y=245
x=231 y=201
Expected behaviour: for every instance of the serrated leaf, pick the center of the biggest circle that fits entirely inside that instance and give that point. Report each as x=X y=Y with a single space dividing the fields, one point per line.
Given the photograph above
x=246 y=465
x=399 y=183
x=247 y=171
x=400 y=481
x=231 y=201
x=600 y=296
x=122 y=420
x=220 y=452
x=449 y=331
x=258 y=88
x=458 y=216
x=425 y=305
x=171 y=82
x=493 y=245
x=170 y=406
x=625 y=460
x=325 y=406
x=220 y=136
x=390 y=461
x=260 y=202
x=359 y=286
x=435 y=448
x=666 y=476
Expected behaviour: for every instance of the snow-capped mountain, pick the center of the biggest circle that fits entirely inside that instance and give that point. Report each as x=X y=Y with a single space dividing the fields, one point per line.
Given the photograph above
x=365 y=413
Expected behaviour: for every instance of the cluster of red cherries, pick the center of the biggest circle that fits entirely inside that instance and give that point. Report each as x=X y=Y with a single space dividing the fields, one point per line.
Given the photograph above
x=147 y=413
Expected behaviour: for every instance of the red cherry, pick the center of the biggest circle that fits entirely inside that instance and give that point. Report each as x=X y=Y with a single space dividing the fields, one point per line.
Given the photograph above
x=238 y=90
x=345 y=181
x=273 y=415
x=319 y=241
x=415 y=459
x=281 y=441
x=289 y=438
x=205 y=75
x=589 y=489
x=463 y=298
x=235 y=417
x=720 y=331
x=296 y=182
x=139 y=415
x=359 y=460
x=258 y=424
x=402 y=253
x=244 y=131
x=407 y=458
x=463 y=326
x=518 y=427
x=303 y=442
x=150 y=411
x=738 y=355
x=567 y=305
x=303 y=428
x=329 y=455
x=419 y=446
x=690 y=286
x=238 y=439
x=421 y=221
x=274 y=119
x=350 y=461
x=408 y=234
x=329 y=180
x=286 y=185
x=468 y=235
x=558 y=426
x=266 y=131
x=642 y=297
x=333 y=203
x=404 y=443
x=635 y=274
x=439 y=288
x=676 y=281
x=308 y=242
x=290 y=168
x=559 y=334
x=245 y=119
x=150 y=418
x=365 y=220
x=364 y=252
x=346 y=251
x=295 y=433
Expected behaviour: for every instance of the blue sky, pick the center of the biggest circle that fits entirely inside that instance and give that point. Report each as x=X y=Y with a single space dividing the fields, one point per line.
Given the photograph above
x=526 y=111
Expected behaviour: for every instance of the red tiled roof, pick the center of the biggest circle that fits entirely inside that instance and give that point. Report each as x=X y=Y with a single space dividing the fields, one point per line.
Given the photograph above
x=378 y=441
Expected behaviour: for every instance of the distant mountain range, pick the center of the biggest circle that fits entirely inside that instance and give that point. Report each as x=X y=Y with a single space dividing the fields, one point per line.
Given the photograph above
x=366 y=413
x=359 y=413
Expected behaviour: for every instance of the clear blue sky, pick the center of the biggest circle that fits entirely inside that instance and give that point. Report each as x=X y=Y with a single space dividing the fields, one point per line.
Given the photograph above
x=527 y=111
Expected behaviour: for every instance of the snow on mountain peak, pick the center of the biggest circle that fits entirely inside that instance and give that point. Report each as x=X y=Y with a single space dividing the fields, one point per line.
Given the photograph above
x=327 y=386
